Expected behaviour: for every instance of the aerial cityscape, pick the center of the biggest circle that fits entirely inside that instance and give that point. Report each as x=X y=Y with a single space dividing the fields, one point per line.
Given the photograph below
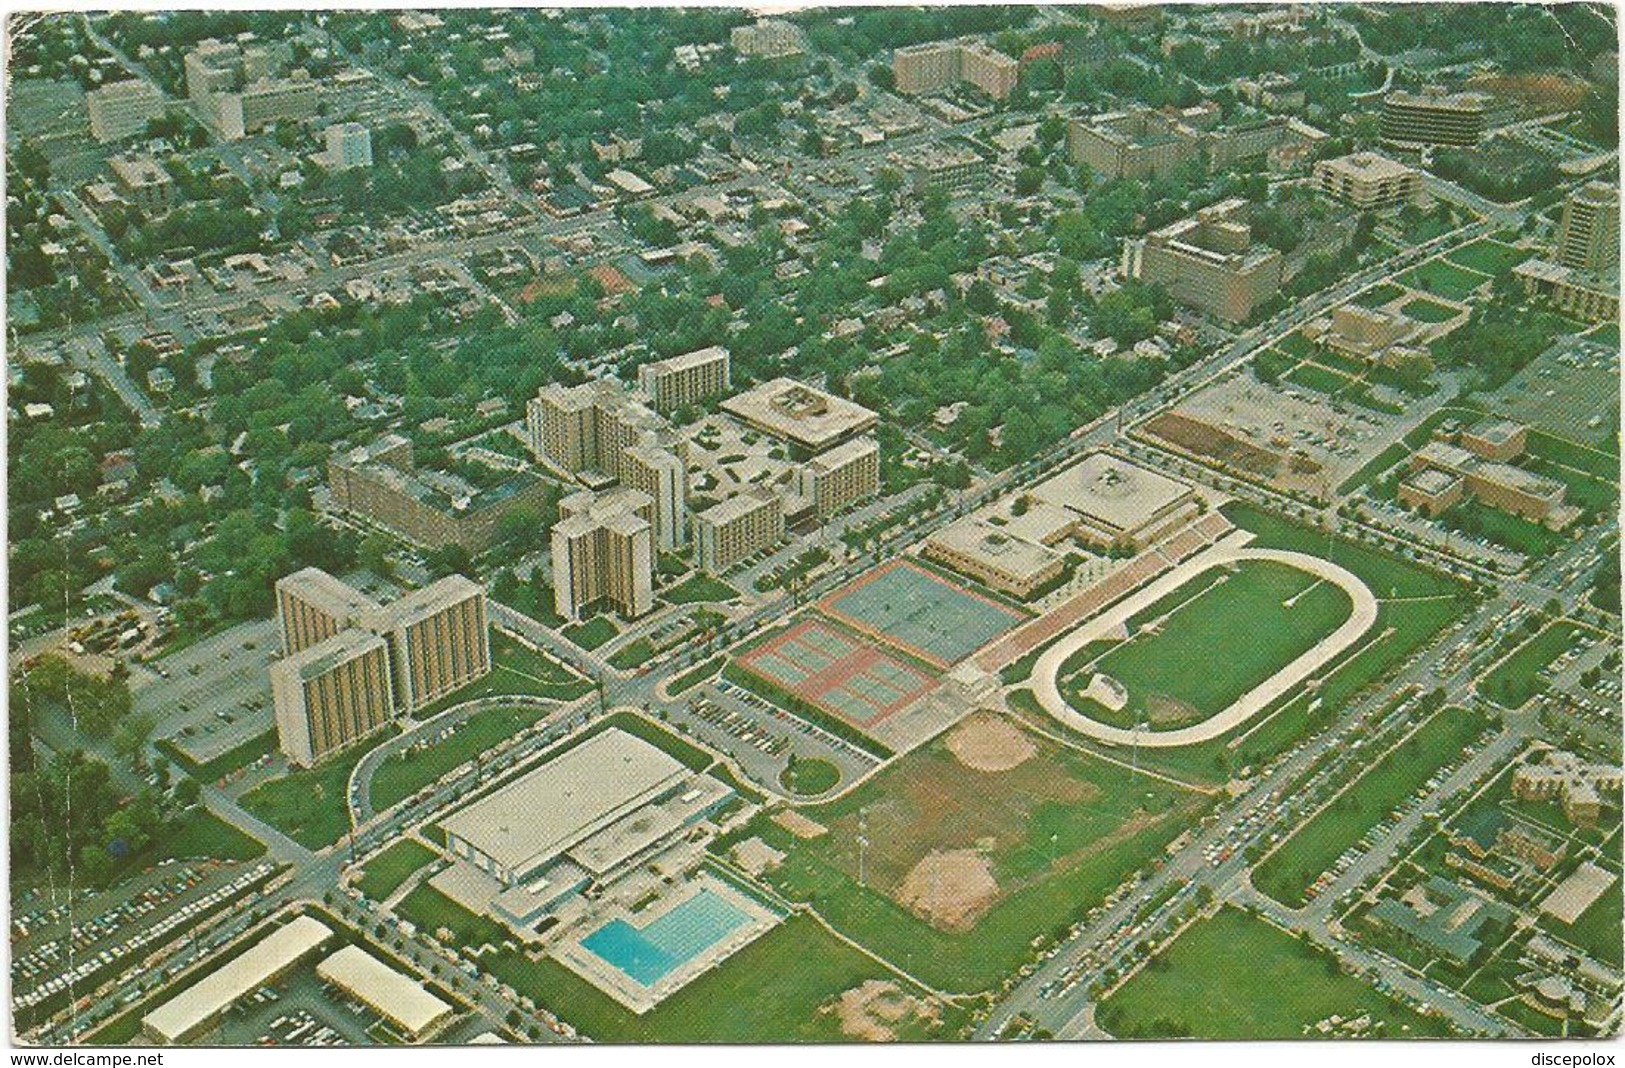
x=839 y=524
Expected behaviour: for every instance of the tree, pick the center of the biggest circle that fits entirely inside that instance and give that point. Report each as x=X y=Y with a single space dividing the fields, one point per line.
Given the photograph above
x=131 y=735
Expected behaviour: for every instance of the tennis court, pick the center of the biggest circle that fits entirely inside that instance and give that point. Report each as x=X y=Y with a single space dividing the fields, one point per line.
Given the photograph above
x=920 y=613
x=835 y=671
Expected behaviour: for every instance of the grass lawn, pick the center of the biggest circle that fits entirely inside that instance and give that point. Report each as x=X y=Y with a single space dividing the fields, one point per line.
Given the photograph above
x=770 y=991
x=1598 y=496
x=1597 y=929
x=518 y=669
x=1503 y=528
x=402 y=776
x=1320 y=379
x=1378 y=295
x=1374 y=468
x=1336 y=361
x=1517 y=678
x=309 y=805
x=1253 y=600
x=1488 y=256
x=1287 y=873
x=1058 y=831
x=1572 y=454
x=695 y=675
x=200 y=833
x=1443 y=279
x=591 y=634
x=388 y=870
x=430 y=910
x=1423 y=310
x=1606 y=334
x=634 y=655
x=1234 y=976
x=700 y=587
x=1296 y=345
x=810 y=777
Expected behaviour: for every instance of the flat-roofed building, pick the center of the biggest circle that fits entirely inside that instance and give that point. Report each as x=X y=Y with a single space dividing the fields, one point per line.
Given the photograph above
x=1135 y=143
x=691 y=378
x=240 y=90
x=938 y=65
x=1368 y=181
x=381 y=483
x=1432 y=118
x=1431 y=490
x=191 y=1011
x=991 y=555
x=401 y=1000
x=662 y=475
x=603 y=551
x=145 y=184
x=1495 y=439
x=841 y=477
x=1578 y=783
x=312 y=606
x=1511 y=489
x=1209 y=262
x=331 y=695
x=526 y=826
x=990 y=70
x=349 y=147
x=1116 y=503
x=1594 y=298
x=1588 y=235
x=769 y=39
x=807 y=418
x=948 y=167
x=439 y=640
x=738 y=527
x=1367 y=333
x=123 y=109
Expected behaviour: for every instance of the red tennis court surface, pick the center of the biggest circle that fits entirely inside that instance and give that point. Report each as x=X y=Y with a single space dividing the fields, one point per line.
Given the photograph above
x=836 y=672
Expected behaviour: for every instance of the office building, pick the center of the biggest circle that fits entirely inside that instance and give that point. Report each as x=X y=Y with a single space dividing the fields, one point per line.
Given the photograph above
x=1499 y=485
x=1136 y=143
x=123 y=109
x=1432 y=118
x=1113 y=503
x=769 y=39
x=603 y=553
x=840 y=477
x=692 y=378
x=240 y=90
x=1594 y=298
x=993 y=556
x=939 y=65
x=1582 y=786
x=1368 y=181
x=331 y=694
x=145 y=184
x=1209 y=262
x=737 y=528
x=951 y=167
x=439 y=640
x=349 y=146
x=1588 y=236
x=381 y=484
x=808 y=419
x=1495 y=439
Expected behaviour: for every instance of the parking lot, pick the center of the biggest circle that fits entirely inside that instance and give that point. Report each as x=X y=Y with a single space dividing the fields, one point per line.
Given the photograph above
x=212 y=696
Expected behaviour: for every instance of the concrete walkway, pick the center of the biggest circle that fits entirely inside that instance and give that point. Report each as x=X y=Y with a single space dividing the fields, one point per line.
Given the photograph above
x=1231 y=550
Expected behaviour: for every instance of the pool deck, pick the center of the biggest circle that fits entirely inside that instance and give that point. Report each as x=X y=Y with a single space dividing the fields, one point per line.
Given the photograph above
x=632 y=994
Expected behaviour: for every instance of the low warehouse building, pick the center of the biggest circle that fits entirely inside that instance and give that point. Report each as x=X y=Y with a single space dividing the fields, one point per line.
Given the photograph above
x=400 y=999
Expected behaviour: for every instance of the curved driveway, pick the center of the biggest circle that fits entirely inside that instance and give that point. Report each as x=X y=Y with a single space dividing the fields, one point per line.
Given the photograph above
x=1249 y=704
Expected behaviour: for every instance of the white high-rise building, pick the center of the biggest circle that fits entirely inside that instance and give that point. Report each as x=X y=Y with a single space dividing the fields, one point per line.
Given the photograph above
x=349 y=146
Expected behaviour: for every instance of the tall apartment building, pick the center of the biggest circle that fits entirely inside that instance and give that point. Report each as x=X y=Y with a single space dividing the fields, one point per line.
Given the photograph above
x=349 y=147
x=381 y=483
x=438 y=637
x=603 y=551
x=734 y=529
x=1368 y=181
x=939 y=65
x=1432 y=118
x=349 y=663
x=843 y=476
x=601 y=434
x=123 y=109
x=1209 y=262
x=1131 y=144
x=240 y=90
x=769 y=39
x=688 y=379
x=312 y=606
x=331 y=694
x=1588 y=236
x=950 y=167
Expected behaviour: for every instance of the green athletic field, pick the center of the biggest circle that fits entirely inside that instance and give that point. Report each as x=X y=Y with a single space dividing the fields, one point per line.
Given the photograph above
x=1215 y=646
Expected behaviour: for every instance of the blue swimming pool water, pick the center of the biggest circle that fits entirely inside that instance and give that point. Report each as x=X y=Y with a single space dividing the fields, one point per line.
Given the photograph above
x=649 y=953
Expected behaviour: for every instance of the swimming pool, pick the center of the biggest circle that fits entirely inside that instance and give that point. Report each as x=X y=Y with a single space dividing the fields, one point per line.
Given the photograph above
x=648 y=954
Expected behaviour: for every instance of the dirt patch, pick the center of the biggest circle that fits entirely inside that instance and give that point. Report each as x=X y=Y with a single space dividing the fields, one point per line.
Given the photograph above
x=1164 y=711
x=1544 y=92
x=877 y=1009
x=799 y=825
x=1204 y=439
x=988 y=743
x=949 y=889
